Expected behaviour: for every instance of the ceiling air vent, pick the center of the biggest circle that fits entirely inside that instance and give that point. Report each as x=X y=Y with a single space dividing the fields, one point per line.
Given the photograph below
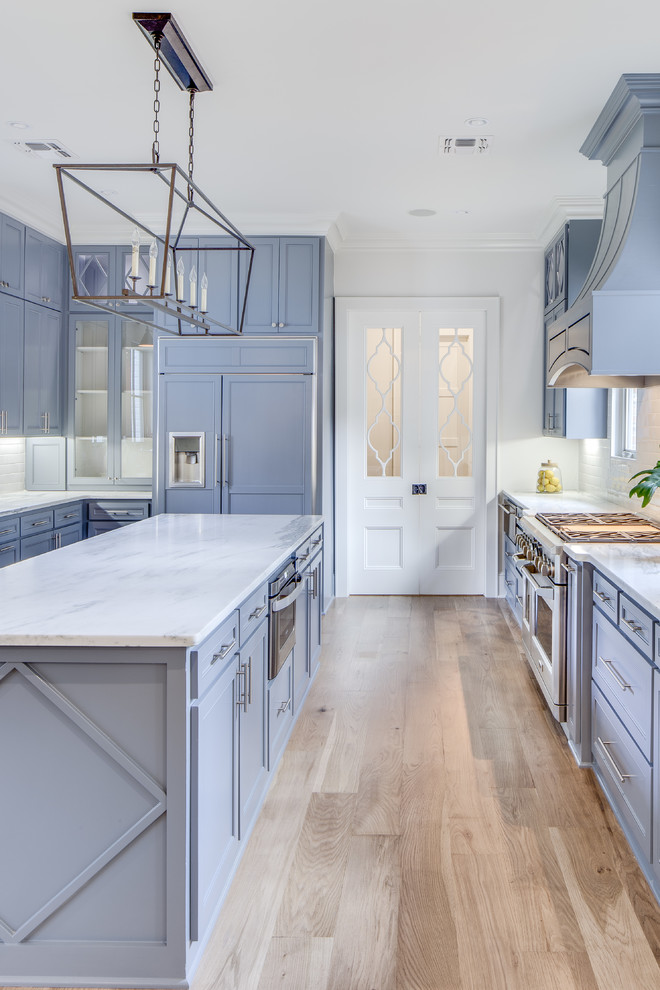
x=52 y=151
x=465 y=145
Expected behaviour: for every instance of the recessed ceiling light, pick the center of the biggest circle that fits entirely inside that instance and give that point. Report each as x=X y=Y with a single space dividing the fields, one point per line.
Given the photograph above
x=422 y=213
x=19 y=124
x=476 y=121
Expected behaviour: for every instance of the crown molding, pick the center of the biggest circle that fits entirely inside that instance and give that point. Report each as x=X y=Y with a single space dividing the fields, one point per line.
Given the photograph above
x=406 y=244
x=565 y=208
x=50 y=226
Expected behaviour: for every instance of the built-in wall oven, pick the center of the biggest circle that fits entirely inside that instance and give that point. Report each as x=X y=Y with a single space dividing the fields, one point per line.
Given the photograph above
x=283 y=593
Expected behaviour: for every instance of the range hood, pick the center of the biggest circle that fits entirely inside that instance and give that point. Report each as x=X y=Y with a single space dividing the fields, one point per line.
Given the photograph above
x=610 y=336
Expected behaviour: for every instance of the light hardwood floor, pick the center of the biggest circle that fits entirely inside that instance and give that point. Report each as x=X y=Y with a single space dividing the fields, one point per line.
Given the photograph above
x=428 y=828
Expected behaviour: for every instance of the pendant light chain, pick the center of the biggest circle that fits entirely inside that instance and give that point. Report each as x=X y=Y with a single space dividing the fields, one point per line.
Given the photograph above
x=155 y=148
x=191 y=144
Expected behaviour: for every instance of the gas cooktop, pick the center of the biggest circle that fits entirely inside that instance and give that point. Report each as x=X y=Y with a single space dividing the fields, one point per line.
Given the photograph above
x=601 y=527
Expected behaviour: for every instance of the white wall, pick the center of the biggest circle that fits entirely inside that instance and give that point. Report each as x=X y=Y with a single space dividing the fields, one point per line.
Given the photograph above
x=517 y=278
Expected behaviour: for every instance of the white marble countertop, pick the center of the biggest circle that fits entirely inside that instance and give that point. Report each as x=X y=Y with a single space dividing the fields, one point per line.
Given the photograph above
x=165 y=581
x=634 y=569
x=24 y=501
x=567 y=501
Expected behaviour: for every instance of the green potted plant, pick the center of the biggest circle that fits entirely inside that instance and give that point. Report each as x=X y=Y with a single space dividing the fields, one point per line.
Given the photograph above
x=646 y=489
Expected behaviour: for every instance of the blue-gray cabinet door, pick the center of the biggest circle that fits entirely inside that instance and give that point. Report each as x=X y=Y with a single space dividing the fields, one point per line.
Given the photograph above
x=299 y=285
x=213 y=812
x=189 y=405
x=42 y=399
x=12 y=254
x=33 y=546
x=44 y=270
x=268 y=439
x=220 y=265
x=301 y=648
x=261 y=312
x=315 y=602
x=11 y=365
x=252 y=755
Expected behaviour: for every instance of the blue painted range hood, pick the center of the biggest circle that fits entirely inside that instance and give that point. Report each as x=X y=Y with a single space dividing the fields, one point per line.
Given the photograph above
x=610 y=336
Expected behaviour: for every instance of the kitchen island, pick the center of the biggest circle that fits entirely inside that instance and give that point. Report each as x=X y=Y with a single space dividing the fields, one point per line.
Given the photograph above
x=124 y=731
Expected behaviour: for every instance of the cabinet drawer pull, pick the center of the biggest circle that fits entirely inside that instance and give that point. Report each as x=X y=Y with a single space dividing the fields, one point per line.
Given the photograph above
x=283 y=707
x=242 y=702
x=257 y=612
x=615 y=674
x=633 y=626
x=42 y=522
x=302 y=556
x=224 y=652
x=3 y=532
x=603 y=597
x=622 y=776
x=7 y=549
x=318 y=542
x=509 y=584
x=70 y=515
x=519 y=600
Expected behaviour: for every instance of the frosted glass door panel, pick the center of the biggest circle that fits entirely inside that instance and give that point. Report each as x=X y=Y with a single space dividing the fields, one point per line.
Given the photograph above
x=383 y=401
x=91 y=399
x=455 y=403
x=137 y=369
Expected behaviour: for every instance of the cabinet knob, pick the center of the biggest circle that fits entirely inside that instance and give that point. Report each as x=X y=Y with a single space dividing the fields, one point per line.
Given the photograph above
x=273 y=324
x=280 y=324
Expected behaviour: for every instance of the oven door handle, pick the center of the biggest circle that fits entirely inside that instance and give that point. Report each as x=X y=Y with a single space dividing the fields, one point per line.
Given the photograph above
x=281 y=603
x=541 y=590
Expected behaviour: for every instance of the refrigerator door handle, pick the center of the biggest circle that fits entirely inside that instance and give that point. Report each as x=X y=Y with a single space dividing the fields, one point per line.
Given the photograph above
x=225 y=459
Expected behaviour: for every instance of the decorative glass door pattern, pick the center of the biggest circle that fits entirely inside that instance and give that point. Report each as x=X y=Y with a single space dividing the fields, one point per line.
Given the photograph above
x=383 y=401
x=455 y=403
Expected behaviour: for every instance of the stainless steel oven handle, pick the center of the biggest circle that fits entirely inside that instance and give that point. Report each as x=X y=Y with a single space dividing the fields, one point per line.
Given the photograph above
x=610 y=759
x=281 y=603
x=568 y=568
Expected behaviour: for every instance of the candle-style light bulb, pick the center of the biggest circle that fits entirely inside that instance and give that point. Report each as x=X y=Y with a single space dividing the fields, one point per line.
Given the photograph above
x=168 y=277
x=179 y=280
x=135 y=253
x=203 y=300
x=153 y=258
x=193 y=287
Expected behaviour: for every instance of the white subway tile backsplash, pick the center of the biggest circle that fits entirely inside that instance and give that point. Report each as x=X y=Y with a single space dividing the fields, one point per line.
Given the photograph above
x=602 y=474
x=12 y=464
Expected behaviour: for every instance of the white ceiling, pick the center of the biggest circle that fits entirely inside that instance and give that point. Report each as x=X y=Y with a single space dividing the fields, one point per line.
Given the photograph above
x=327 y=117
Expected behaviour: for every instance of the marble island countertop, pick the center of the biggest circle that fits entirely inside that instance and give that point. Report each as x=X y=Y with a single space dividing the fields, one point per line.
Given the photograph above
x=24 y=501
x=165 y=581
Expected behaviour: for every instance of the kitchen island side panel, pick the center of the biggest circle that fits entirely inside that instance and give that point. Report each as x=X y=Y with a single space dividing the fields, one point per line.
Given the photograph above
x=93 y=832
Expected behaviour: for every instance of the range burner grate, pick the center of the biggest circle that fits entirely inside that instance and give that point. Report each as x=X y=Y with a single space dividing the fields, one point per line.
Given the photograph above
x=601 y=527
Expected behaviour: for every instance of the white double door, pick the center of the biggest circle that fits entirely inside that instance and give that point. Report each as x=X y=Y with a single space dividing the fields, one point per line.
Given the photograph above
x=416 y=416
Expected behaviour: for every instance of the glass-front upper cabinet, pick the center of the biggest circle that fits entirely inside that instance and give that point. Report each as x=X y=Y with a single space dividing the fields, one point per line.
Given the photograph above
x=112 y=368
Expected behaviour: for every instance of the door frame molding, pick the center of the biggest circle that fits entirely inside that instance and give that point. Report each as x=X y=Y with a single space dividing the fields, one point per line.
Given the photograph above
x=344 y=306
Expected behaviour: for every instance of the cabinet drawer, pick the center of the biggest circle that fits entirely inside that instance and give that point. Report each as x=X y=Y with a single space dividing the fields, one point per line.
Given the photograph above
x=67 y=515
x=209 y=659
x=10 y=528
x=252 y=612
x=626 y=772
x=280 y=712
x=310 y=546
x=35 y=522
x=636 y=624
x=605 y=595
x=117 y=511
x=10 y=553
x=626 y=680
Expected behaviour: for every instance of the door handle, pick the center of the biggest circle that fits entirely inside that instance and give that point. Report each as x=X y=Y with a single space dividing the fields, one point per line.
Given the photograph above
x=225 y=458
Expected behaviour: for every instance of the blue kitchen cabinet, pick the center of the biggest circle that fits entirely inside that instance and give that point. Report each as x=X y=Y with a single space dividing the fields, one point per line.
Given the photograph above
x=300 y=658
x=267 y=430
x=574 y=413
x=102 y=270
x=283 y=295
x=42 y=371
x=50 y=528
x=12 y=256
x=44 y=270
x=105 y=515
x=10 y=547
x=315 y=608
x=214 y=796
x=11 y=365
x=252 y=756
x=111 y=402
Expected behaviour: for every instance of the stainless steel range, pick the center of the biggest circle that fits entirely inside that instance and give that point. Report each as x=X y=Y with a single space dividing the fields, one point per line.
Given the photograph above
x=550 y=591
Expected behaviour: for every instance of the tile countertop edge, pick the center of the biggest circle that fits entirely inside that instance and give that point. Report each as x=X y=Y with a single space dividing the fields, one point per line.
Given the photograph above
x=634 y=569
x=221 y=560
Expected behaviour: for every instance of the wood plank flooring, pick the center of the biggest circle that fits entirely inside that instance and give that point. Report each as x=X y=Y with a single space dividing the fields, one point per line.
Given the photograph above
x=428 y=828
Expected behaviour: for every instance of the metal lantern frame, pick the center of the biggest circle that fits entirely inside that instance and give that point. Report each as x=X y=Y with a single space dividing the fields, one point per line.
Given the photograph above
x=170 y=46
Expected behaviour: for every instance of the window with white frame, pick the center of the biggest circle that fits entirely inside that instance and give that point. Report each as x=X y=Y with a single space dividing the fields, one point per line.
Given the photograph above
x=624 y=422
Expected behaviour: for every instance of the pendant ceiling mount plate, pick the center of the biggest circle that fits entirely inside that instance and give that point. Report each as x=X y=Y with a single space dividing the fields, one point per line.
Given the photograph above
x=175 y=51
